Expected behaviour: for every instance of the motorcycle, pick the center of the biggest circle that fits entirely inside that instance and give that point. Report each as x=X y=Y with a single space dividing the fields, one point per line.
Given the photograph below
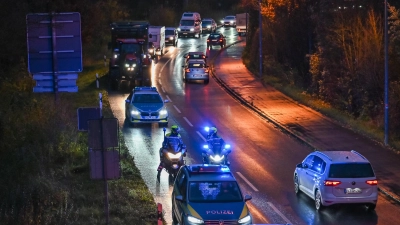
x=172 y=153
x=216 y=151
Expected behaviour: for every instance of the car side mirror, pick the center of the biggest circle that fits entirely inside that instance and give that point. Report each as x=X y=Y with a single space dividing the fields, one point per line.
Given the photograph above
x=179 y=198
x=247 y=198
x=127 y=101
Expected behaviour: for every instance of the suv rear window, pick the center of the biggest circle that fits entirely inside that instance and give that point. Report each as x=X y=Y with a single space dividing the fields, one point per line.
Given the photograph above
x=351 y=170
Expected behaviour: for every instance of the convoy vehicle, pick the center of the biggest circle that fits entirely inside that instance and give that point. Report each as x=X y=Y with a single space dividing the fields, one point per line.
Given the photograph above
x=190 y=25
x=337 y=177
x=209 y=25
x=208 y=194
x=195 y=55
x=242 y=22
x=130 y=60
x=157 y=38
x=196 y=69
x=145 y=105
x=171 y=36
x=229 y=21
x=216 y=39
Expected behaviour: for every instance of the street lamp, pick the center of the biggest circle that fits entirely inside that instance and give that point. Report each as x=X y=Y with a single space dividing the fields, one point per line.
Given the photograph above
x=386 y=79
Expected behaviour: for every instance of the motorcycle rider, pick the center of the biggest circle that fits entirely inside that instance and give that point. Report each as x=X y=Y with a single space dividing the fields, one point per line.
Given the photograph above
x=213 y=134
x=174 y=133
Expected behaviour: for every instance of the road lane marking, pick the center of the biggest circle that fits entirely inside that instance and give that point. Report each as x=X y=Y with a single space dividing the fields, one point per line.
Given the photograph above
x=177 y=109
x=159 y=75
x=247 y=181
x=279 y=213
x=163 y=90
x=168 y=98
x=187 y=121
x=159 y=81
x=201 y=136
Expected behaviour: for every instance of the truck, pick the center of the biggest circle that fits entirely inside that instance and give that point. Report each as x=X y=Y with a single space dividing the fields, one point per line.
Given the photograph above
x=130 y=60
x=242 y=21
x=158 y=38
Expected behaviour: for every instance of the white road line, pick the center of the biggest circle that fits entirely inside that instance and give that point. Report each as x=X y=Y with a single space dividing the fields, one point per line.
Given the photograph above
x=201 y=136
x=159 y=75
x=162 y=68
x=163 y=90
x=168 y=98
x=247 y=181
x=187 y=121
x=179 y=111
x=159 y=81
x=279 y=213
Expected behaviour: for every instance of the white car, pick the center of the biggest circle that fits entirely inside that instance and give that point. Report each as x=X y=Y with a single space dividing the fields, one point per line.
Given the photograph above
x=229 y=21
x=337 y=177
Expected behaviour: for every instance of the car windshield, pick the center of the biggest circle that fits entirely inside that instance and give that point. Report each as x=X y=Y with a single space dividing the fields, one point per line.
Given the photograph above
x=197 y=65
x=214 y=35
x=147 y=98
x=351 y=170
x=187 y=22
x=230 y=18
x=206 y=23
x=214 y=191
x=169 y=32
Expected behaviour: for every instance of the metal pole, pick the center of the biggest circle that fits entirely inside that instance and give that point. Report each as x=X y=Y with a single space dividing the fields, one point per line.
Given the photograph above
x=386 y=79
x=106 y=210
x=260 y=38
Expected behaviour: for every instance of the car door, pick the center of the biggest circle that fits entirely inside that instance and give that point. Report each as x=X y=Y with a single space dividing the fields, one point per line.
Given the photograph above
x=316 y=171
x=305 y=176
x=176 y=192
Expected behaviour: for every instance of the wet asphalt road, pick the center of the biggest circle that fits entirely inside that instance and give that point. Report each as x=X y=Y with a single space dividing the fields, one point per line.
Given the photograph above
x=263 y=157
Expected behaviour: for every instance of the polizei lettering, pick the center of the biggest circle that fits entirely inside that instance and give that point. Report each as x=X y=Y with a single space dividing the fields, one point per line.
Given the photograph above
x=220 y=212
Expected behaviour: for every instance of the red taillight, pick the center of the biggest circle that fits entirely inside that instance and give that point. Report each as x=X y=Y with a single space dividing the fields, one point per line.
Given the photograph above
x=206 y=70
x=331 y=183
x=187 y=70
x=208 y=40
x=372 y=182
x=220 y=40
x=204 y=56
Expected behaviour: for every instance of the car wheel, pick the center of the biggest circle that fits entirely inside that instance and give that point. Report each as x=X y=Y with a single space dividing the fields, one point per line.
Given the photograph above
x=318 y=201
x=296 y=185
x=371 y=207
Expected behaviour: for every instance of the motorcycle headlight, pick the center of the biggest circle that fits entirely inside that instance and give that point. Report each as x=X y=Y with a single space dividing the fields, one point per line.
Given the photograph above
x=191 y=29
x=174 y=156
x=217 y=158
x=193 y=219
x=227 y=146
x=115 y=56
x=245 y=219
x=134 y=112
x=206 y=129
x=163 y=112
x=205 y=146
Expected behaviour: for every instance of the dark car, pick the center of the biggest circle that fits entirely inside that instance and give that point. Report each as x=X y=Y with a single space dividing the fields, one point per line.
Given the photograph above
x=209 y=25
x=171 y=36
x=216 y=39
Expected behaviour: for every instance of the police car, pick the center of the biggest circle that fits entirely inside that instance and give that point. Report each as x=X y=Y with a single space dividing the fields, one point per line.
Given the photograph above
x=145 y=105
x=208 y=194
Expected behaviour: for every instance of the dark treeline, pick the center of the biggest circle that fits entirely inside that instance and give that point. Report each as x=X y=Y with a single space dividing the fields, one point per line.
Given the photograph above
x=334 y=50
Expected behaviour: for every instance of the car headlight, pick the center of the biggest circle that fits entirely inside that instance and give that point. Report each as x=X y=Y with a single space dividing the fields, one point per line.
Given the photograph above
x=134 y=65
x=179 y=29
x=115 y=56
x=191 y=29
x=193 y=219
x=171 y=38
x=151 y=50
x=163 y=112
x=174 y=156
x=208 y=26
x=232 y=21
x=245 y=219
x=126 y=65
x=135 y=112
x=217 y=158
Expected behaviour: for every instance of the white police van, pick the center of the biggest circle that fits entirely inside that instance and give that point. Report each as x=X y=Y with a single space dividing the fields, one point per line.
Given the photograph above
x=190 y=25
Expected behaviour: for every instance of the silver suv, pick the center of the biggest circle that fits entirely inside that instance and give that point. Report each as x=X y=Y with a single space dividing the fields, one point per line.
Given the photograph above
x=337 y=177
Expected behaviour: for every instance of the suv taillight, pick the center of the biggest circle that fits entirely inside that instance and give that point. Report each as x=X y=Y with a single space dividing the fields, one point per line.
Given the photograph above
x=331 y=183
x=187 y=70
x=208 y=40
x=372 y=182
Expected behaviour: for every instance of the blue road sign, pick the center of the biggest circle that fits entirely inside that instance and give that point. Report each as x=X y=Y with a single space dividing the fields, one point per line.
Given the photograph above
x=65 y=83
x=67 y=37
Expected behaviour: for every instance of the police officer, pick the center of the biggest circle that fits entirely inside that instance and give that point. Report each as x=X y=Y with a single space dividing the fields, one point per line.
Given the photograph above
x=174 y=133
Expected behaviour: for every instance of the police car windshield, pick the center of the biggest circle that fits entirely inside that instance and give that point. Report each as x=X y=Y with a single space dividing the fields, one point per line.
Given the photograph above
x=169 y=32
x=214 y=191
x=147 y=98
x=187 y=22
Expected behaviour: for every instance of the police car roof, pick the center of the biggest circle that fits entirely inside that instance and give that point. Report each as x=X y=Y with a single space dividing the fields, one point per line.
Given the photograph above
x=145 y=90
x=207 y=172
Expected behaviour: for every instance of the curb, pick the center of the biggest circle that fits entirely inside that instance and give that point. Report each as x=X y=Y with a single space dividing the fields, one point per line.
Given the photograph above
x=260 y=113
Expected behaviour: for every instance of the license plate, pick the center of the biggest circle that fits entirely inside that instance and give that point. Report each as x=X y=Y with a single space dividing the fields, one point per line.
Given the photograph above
x=352 y=190
x=184 y=33
x=214 y=39
x=150 y=117
x=123 y=76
